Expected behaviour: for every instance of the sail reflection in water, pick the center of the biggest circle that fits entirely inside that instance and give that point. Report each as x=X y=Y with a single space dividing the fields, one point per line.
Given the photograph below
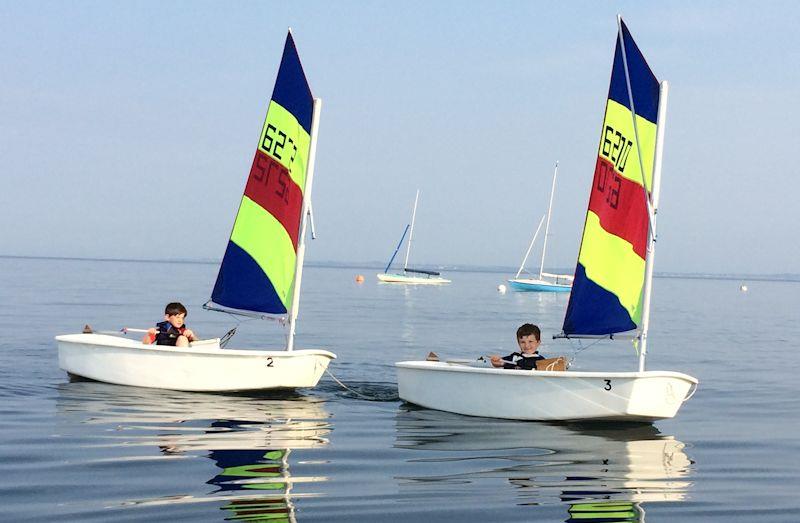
x=600 y=470
x=250 y=441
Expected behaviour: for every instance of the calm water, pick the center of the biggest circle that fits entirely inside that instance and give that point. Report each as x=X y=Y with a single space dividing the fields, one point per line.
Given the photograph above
x=94 y=452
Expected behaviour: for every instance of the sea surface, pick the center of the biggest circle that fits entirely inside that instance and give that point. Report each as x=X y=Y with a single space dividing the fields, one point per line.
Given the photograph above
x=87 y=451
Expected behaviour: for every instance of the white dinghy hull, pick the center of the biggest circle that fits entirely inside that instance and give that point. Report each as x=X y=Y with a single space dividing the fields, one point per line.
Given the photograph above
x=543 y=395
x=413 y=280
x=202 y=367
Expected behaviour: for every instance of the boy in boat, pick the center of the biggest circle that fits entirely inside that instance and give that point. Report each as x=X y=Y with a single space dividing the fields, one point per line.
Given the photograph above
x=172 y=330
x=528 y=339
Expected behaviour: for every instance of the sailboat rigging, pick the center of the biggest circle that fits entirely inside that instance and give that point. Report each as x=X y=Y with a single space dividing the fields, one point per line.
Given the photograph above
x=408 y=275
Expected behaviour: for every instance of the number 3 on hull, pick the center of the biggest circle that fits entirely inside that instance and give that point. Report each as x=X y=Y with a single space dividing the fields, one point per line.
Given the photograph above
x=610 y=295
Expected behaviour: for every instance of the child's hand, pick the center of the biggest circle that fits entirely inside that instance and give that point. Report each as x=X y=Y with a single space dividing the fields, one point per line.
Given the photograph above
x=495 y=359
x=189 y=334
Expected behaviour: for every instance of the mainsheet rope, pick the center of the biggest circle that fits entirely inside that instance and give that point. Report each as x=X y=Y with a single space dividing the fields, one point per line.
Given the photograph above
x=371 y=398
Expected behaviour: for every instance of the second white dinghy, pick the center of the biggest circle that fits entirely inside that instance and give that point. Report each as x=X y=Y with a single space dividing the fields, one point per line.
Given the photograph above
x=610 y=297
x=259 y=276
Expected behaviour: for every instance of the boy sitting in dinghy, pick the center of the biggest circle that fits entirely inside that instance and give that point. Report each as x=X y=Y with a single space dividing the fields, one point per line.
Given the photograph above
x=528 y=338
x=172 y=330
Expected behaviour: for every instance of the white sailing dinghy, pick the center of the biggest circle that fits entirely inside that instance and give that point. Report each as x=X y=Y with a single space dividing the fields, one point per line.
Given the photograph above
x=545 y=281
x=412 y=276
x=259 y=276
x=611 y=294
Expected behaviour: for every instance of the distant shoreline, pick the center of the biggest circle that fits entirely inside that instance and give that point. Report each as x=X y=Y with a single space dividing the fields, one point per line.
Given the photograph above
x=788 y=277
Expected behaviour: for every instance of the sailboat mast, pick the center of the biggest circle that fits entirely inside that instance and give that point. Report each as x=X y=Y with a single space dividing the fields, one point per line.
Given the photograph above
x=411 y=232
x=651 y=239
x=301 y=244
x=547 y=225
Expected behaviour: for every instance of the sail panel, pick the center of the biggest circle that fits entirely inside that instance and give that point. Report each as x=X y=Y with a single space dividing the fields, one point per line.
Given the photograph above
x=270 y=186
x=263 y=237
x=606 y=295
x=262 y=252
x=291 y=87
x=618 y=143
x=285 y=140
x=618 y=216
x=609 y=261
x=593 y=310
x=644 y=84
x=242 y=281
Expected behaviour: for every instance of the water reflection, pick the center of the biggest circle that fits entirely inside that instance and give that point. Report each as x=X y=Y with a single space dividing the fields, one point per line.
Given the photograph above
x=602 y=472
x=250 y=441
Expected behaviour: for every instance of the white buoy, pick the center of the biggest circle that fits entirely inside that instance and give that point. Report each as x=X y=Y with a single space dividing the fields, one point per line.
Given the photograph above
x=743 y=288
x=501 y=289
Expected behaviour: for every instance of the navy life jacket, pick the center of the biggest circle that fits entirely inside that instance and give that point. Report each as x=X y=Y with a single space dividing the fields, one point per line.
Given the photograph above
x=521 y=361
x=167 y=333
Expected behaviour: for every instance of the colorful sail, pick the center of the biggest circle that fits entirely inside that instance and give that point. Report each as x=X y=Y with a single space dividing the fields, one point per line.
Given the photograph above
x=258 y=270
x=609 y=278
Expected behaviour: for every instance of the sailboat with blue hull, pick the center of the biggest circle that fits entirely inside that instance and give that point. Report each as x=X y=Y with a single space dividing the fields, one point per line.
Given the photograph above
x=260 y=274
x=610 y=297
x=545 y=281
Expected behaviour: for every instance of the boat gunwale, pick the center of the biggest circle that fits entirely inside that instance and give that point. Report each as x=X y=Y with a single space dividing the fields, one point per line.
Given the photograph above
x=205 y=351
x=463 y=367
x=544 y=283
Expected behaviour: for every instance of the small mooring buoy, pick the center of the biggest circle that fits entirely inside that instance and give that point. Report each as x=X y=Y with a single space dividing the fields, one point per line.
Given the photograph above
x=359 y=278
x=743 y=288
x=501 y=289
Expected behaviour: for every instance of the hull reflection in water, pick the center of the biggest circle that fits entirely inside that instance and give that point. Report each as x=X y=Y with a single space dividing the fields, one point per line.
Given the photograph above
x=601 y=471
x=249 y=439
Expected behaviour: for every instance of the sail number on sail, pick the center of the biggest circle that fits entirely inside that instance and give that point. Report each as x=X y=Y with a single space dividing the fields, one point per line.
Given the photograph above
x=268 y=171
x=616 y=147
x=275 y=146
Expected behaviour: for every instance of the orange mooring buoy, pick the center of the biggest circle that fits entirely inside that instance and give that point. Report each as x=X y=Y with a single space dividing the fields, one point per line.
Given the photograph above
x=359 y=279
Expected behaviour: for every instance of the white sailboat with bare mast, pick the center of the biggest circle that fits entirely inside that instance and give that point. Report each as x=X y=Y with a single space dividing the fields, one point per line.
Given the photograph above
x=408 y=275
x=545 y=281
x=259 y=275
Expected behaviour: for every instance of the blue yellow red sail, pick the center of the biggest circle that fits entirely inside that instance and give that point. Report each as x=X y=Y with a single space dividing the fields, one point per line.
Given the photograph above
x=609 y=278
x=258 y=269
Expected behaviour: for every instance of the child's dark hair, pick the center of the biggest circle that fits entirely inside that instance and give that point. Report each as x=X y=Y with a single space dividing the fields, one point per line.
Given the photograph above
x=528 y=329
x=174 y=308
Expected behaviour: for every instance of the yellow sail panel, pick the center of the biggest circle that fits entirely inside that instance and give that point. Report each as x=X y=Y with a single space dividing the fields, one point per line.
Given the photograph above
x=285 y=140
x=611 y=263
x=618 y=143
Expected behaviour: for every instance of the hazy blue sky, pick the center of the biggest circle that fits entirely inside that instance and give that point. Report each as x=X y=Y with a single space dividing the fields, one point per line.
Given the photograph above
x=127 y=129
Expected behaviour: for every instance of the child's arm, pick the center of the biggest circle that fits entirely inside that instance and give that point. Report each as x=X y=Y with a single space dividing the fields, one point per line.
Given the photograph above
x=150 y=337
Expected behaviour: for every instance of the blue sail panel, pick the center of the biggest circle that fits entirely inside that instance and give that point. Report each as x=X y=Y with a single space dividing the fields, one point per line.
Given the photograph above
x=643 y=82
x=291 y=88
x=592 y=310
x=242 y=284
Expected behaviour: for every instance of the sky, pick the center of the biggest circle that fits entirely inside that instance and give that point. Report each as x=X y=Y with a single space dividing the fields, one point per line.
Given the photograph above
x=127 y=129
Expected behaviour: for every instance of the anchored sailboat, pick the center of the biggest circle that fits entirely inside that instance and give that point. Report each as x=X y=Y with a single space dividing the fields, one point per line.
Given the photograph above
x=545 y=281
x=413 y=276
x=611 y=294
x=259 y=276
